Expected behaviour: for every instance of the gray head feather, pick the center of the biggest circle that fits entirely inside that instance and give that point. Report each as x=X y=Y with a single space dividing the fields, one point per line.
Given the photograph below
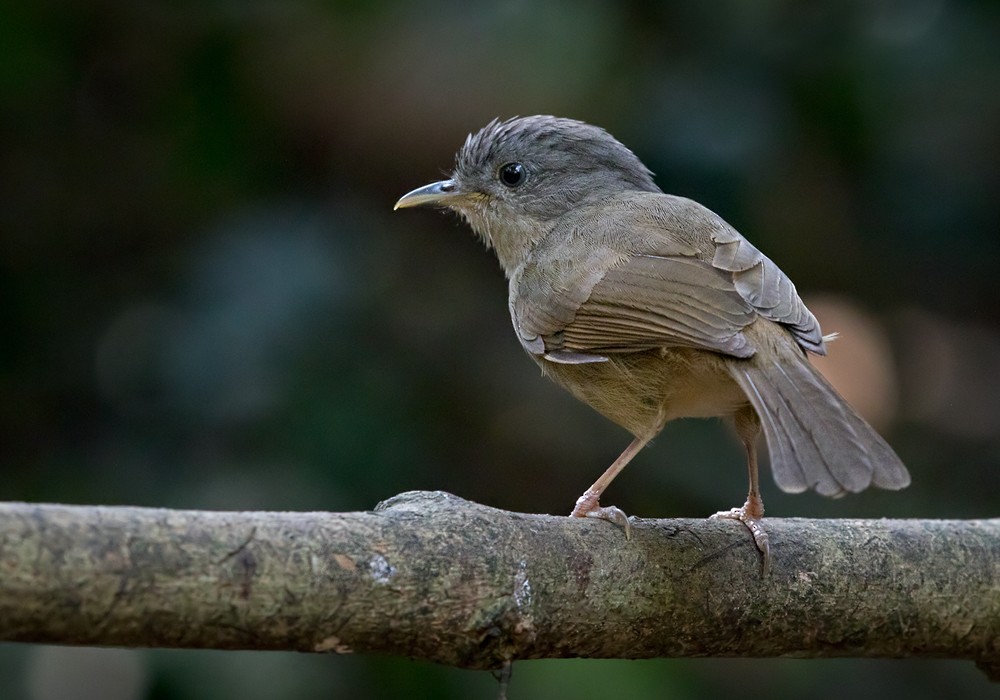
x=557 y=151
x=567 y=163
x=584 y=147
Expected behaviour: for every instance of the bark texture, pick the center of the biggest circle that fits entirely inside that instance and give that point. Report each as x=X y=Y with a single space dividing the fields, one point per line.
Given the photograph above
x=432 y=576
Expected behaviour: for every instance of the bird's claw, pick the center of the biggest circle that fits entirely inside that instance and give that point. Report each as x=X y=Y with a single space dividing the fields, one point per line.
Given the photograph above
x=612 y=514
x=588 y=506
x=752 y=518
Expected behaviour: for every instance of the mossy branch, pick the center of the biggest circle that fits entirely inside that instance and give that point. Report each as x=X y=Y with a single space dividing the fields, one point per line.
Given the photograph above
x=435 y=577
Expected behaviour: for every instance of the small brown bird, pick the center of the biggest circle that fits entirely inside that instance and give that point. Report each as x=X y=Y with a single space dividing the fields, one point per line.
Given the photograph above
x=650 y=307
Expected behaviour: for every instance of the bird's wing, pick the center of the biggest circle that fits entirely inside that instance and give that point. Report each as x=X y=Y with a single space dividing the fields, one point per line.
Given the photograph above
x=765 y=287
x=689 y=280
x=644 y=302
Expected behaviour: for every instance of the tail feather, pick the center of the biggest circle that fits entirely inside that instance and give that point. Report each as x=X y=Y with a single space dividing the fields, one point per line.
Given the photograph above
x=814 y=438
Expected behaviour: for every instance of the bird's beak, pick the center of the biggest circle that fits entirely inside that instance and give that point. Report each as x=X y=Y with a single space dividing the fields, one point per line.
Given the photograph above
x=439 y=193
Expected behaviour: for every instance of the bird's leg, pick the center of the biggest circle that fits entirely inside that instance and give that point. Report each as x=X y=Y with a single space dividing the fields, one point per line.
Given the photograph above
x=752 y=512
x=588 y=505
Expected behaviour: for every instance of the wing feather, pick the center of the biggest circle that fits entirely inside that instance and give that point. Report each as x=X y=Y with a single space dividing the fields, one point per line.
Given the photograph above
x=674 y=285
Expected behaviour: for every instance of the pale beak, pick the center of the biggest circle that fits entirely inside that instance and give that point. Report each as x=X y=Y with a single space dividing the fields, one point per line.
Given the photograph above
x=439 y=193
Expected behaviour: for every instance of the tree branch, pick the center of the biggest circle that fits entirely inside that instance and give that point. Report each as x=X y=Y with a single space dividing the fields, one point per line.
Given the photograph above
x=431 y=576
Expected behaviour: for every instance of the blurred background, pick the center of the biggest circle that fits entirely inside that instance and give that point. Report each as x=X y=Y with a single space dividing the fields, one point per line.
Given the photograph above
x=207 y=301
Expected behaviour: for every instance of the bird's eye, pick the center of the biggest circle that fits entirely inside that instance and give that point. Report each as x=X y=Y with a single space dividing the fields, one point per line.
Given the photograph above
x=513 y=174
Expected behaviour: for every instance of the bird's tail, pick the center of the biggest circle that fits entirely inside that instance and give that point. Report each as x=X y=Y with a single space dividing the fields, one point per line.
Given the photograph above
x=814 y=438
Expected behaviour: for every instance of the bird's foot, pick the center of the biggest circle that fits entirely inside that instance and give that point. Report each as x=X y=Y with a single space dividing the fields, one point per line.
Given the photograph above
x=751 y=514
x=588 y=506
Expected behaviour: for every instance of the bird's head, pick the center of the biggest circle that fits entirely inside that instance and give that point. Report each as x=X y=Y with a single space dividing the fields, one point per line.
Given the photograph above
x=514 y=179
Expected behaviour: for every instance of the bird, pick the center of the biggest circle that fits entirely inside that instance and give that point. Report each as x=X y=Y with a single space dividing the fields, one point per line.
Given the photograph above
x=649 y=307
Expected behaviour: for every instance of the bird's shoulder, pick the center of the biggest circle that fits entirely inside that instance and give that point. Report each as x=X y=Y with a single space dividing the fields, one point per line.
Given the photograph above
x=580 y=247
x=647 y=248
x=635 y=223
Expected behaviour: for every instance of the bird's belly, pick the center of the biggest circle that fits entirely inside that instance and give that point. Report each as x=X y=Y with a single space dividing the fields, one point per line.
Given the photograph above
x=642 y=391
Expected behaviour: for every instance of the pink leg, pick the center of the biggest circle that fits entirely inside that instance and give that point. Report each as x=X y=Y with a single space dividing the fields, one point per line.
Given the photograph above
x=588 y=505
x=752 y=512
